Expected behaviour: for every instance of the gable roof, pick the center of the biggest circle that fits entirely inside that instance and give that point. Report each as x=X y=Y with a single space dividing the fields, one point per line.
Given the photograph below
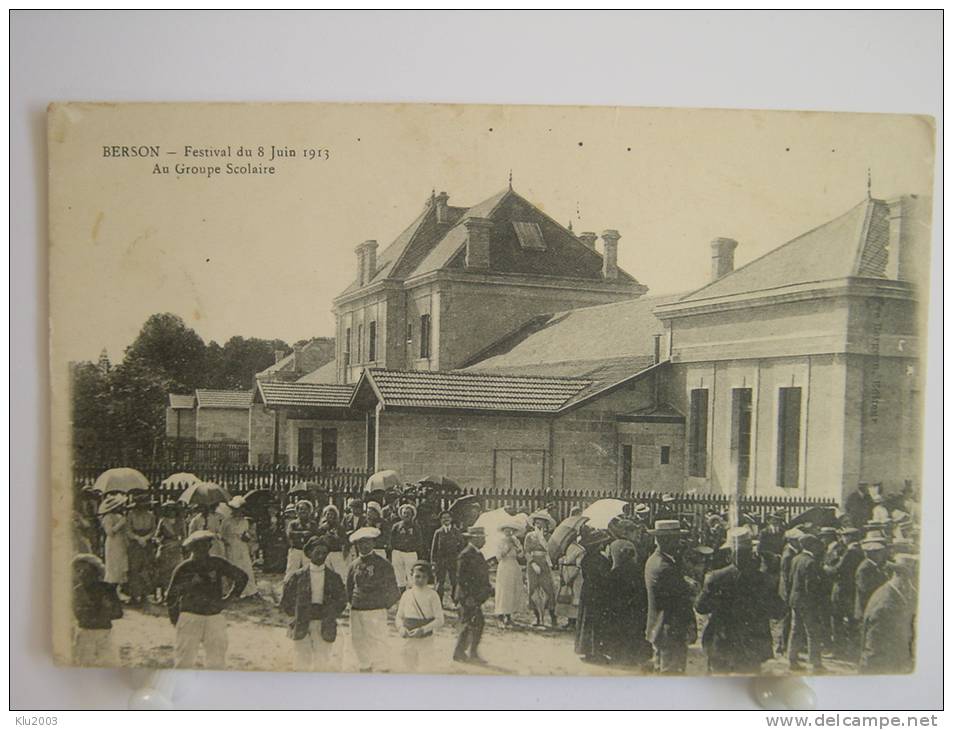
x=327 y=373
x=223 y=398
x=852 y=245
x=313 y=395
x=427 y=246
x=470 y=391
x=181 y=402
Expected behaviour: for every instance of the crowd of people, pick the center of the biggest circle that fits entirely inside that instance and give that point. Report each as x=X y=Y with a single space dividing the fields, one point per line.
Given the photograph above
x=633 y=594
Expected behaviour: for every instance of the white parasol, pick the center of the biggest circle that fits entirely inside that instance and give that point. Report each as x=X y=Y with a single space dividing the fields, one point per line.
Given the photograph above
x=492 y=521
x=601 y=512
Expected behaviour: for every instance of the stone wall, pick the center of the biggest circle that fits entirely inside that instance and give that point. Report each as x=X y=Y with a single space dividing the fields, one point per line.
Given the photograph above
x=221 y=424
x=261 y=434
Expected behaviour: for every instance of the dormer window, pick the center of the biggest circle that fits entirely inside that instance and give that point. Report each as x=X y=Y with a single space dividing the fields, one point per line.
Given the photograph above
x=529 y=235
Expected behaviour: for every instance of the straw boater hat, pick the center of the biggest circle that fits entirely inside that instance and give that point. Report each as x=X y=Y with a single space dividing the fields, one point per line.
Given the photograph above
x=793 y=534
x=111 y=503
x=704 y=550
x=778 y=514
x=374 y=506
x=198 y=536
x=170 y=505
x=510 y=524
x=870 y=546
x=474 y=531
x=738 y=538
x=832 y=531
x=542 y=514
x=851 y=533
x=330 y=508
x=289 y=510
x=236 y=502
x=364 y=533
x=641 y=510
x=668 y=497
x=667 y=527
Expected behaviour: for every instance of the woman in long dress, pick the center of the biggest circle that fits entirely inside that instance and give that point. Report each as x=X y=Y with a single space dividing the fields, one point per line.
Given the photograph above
x=627 y=607
x=570 y=577
x=169 y=535
x=113 y=520
x=593 y=627
x=206 y=519
x=509 y=576
x=236 y=538
x=141 y=525
x=539 y=573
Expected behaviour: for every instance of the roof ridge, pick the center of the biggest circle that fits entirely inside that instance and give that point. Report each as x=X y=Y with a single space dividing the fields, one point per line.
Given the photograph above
x=787 y=243
x=476 y=374
x=417 y=224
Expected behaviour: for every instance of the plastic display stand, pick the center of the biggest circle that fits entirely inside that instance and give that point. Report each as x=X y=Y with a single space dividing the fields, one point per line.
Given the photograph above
x=156 y=692
x=771 y=693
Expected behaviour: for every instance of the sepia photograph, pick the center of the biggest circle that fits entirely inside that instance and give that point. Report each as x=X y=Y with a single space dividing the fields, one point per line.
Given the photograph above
x=488 y=389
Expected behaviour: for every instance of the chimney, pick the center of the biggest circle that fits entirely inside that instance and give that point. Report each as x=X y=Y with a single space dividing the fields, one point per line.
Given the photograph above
x=478 y=242
x=366 y=262
x=658 y=349
x=440 y=203
x=589 y=239
x=610 y=254
x=722 y=257
x=279 y=354
x=295 y=358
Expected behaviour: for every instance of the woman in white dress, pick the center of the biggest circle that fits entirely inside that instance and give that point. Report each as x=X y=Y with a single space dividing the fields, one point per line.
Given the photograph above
x=205 y=519
x=236 y=538
x=419 y=616
x=510 y=597
x=113 y=519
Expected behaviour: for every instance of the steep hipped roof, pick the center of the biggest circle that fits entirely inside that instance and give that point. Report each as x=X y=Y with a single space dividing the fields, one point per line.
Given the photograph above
x=181 y=402
x=427 y=246
x=853 y=244
x=313 y=395
x=223 y=398
x=470 y=391
x=313 y=354
x=576 y=341
x=327 y=373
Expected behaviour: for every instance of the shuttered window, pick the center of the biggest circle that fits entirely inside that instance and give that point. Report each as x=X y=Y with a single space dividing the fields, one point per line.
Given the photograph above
x=789 y=436
x=698 y=433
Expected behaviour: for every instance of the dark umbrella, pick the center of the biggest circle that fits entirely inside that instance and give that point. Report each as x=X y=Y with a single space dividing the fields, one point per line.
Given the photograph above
x=440 y=482
x=462 y=505
x=258 y=498
x=204 y=493
x=563 y=535
x=819 y=516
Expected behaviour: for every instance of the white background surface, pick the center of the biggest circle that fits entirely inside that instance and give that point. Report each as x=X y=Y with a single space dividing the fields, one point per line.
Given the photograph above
x=845 y=61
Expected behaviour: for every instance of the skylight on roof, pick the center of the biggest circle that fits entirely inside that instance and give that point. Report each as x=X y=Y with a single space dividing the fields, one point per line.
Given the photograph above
x=529 y=235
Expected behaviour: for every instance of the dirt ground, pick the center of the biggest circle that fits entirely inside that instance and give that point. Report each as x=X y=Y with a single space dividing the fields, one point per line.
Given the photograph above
x=258 y=640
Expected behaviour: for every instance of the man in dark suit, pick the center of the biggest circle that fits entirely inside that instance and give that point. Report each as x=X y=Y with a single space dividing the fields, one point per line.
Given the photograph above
x=859 y=505
x=887 y=641
x=741 y=600
x=870 y=575
x=792 y=547
x=807 y=599
x=473 y=588
x=670 y=626
x=445 y=547
x=841 y=565
x=314 y=597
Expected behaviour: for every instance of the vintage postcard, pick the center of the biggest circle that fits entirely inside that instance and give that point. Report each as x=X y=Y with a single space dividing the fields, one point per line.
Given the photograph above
x=487 y=389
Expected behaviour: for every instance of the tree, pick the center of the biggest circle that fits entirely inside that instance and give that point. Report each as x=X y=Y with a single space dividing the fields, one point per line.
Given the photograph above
x=91 y=423
x=241 y=359
x=136 y=413
x=167 y=348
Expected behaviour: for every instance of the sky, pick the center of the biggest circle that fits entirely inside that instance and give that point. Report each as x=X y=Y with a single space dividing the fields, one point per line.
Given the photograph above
x=264 y=255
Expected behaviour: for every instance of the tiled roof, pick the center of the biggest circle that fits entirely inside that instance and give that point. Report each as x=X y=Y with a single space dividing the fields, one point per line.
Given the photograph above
x=327 y=373
x=853 y=244
x=567 y=343
x=224 y=398
x=473 y=391
x=427 y=246
x=177 y=401
x=314 y=395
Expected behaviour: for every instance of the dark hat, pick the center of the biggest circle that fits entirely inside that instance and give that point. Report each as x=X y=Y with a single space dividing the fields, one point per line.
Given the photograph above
x=809 y=541
x=595 y=537
x=317 y=541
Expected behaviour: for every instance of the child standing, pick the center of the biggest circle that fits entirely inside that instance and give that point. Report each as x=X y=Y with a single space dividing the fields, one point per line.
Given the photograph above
x=95 y=607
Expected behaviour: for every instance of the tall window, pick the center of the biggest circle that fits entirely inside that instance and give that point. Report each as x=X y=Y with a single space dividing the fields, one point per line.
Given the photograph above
x=626 y=468
x=329 y=448
x=360 y=342
x=424 y=335
x=347 y=346
x=410 y=333
x=698 y=433
x=789 y=436
x=372 y=342
x=741 y=431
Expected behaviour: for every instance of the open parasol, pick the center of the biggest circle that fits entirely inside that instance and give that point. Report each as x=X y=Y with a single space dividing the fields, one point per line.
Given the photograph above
x=819 y=516
x=492 y=521
x=257 y=498
x=602 y=511
x=121 y=479
x=180 y=479
x=565 y=532
x=440 y=482
x=464 y=506
x=205 y=494
x=382 y=481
